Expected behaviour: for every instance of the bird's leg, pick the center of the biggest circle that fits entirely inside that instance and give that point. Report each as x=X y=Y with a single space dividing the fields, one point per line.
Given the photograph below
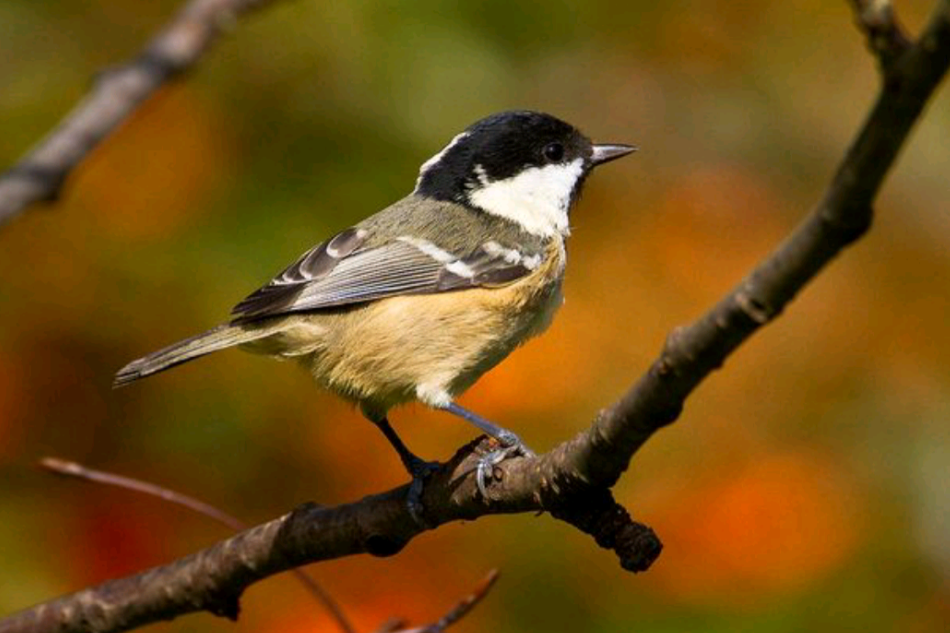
x=418 y=468
x=511 y=444
x=410 y=460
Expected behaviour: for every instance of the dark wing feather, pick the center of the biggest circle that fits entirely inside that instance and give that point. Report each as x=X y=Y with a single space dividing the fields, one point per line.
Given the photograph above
x=339 y=273
x=312 y=266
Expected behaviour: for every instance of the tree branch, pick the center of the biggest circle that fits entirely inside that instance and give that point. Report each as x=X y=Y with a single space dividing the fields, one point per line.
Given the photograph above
x=573 y=480
x=65 y=468
x=886 y=37
x=602 y=453
x=117 y=92
x=213 y=579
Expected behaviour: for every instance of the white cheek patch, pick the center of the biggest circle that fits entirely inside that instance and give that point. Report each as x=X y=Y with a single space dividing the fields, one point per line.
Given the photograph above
x=538 y=198
x=429 y=164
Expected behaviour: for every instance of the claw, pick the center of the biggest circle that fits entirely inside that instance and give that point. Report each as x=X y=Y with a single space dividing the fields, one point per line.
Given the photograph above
x=482 y=472
x=510 y=443
x=512 y=446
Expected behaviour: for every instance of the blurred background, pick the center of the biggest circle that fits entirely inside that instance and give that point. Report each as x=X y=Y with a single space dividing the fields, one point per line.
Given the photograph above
x=804 y=488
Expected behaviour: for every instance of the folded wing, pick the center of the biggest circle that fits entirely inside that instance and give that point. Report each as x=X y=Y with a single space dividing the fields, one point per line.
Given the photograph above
x=343 y=271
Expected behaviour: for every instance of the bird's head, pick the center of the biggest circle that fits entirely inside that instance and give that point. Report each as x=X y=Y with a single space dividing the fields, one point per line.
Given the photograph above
x=525 y=166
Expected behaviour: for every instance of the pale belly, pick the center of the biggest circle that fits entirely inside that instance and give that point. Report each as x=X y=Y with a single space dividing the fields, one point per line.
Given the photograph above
x=427 y=348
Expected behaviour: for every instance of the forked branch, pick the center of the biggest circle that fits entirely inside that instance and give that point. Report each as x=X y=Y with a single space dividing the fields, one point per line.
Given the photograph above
x=885 y=35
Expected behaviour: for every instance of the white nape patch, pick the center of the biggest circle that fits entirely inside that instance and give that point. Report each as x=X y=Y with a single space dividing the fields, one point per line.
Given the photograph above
x=429 y=164
x=538 y=198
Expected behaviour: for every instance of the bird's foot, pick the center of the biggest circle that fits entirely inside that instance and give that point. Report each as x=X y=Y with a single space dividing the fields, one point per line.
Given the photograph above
x=420 y=471
x=511 y=446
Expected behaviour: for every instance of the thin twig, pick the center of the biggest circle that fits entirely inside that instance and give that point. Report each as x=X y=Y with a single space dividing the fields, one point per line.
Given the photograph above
x=76 y=470
x=116 y=94
x=456 y=613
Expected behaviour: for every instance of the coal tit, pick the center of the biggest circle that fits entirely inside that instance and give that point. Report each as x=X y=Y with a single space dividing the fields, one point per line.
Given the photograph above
x=419 y=300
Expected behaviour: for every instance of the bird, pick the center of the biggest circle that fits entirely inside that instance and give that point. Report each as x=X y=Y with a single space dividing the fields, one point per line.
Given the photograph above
x=419 y=300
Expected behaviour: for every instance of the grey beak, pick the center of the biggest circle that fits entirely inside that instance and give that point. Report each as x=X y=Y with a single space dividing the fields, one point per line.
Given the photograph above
x=608 y=152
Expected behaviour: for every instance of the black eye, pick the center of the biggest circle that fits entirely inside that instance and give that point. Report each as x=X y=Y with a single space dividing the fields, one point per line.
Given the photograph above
x=553 y=152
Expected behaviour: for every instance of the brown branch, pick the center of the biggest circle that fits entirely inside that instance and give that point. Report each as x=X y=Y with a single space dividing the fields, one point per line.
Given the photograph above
x=213 y=579
x=76 y=470
x=39 y=176
x=573 y=480
x=66 y=468
x=601 y=454
x=886 y=37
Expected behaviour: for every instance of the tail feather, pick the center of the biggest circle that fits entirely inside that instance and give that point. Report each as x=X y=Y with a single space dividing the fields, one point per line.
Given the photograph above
x=213 y=340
